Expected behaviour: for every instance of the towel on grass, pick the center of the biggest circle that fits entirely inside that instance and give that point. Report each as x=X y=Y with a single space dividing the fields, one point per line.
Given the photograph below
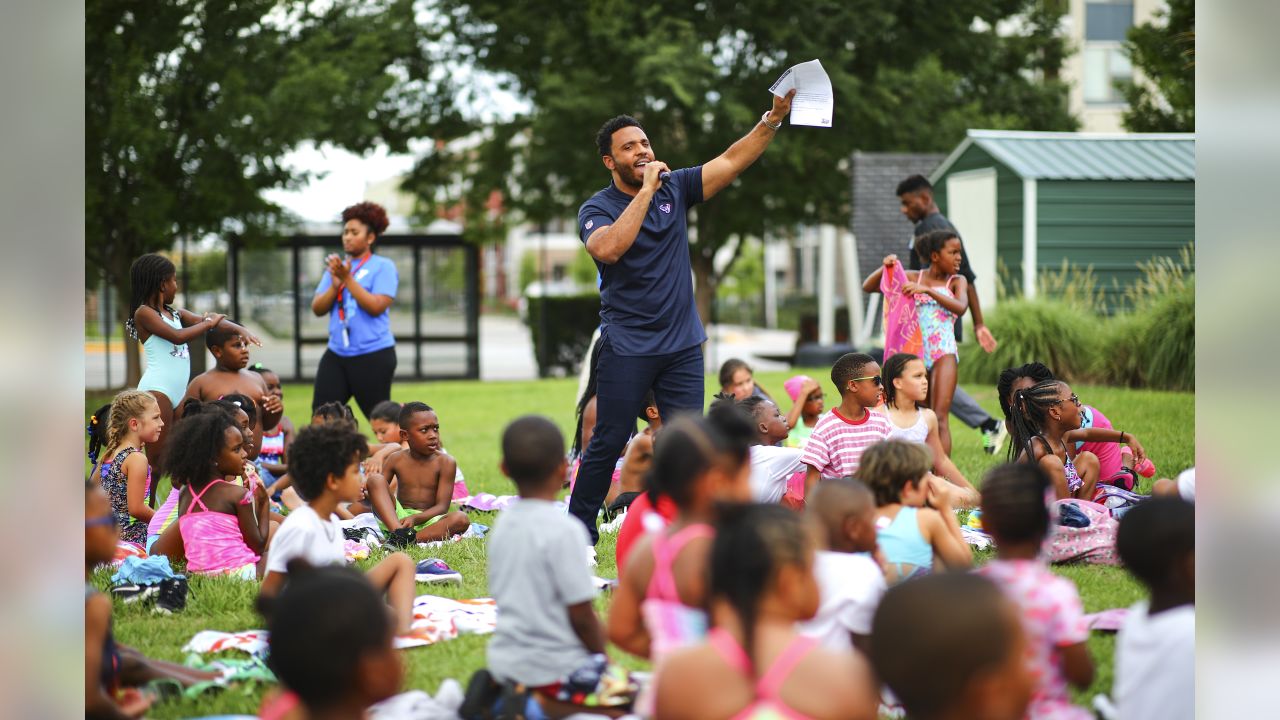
x=435 y=619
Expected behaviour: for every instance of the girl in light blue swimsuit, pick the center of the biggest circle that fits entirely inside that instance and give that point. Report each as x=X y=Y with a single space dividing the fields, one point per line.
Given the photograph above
x=164 y=332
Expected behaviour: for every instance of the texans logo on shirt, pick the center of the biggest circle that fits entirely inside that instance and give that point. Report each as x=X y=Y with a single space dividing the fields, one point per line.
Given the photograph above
x=589 y=224
x=665 y=207
x=363 y=272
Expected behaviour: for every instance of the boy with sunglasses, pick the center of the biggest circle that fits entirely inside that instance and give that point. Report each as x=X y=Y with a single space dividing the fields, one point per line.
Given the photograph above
x=837 y=442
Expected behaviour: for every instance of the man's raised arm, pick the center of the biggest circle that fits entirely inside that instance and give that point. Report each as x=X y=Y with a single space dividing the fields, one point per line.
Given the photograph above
x=717 y=174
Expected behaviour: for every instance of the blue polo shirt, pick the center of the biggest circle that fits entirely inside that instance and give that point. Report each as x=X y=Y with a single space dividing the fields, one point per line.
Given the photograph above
x=367 y=333
x=646 y=297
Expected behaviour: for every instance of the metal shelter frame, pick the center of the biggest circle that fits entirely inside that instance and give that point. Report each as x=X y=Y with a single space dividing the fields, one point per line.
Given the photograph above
x=417 y=242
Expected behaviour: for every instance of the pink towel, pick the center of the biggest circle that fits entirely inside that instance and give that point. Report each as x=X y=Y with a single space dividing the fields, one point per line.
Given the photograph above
x=901 y=329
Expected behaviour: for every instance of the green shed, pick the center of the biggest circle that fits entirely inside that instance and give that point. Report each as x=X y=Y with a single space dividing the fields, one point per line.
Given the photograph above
x=1027 y=200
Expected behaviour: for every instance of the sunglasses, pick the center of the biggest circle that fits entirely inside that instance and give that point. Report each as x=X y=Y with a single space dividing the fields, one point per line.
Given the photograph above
x=1073 y=399
x=105 y=520
x=873 y=378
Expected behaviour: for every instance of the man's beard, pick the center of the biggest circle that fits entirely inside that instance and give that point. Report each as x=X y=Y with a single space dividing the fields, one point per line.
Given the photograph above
x=631 y=179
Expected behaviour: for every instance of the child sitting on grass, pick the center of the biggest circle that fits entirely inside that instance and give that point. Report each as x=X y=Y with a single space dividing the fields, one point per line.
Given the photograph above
x=628 y=478
x=772 y=466
x=222 y=532
x=548 y=634
x=915 y=526
x=843 y=517
x=754 y=664
x=1045 y=428
x=273 y=453
x=950 y=646
x=416 y=486
x=117 y=436
x=326 y=468
x=330 y=645
x=1118 y=464
x=112 y=671
x=385 y=421
x=1156 y=648
x=1016 y=513
x=806 y=408
x=837 y=442
x=230 y=350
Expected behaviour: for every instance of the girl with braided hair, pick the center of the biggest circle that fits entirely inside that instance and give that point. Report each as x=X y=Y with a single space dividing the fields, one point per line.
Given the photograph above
x=116 y=437
x=164 y=332
x=1045 y=428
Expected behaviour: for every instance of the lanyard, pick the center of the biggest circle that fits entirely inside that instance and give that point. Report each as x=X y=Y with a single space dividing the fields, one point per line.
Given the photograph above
x=342 y=311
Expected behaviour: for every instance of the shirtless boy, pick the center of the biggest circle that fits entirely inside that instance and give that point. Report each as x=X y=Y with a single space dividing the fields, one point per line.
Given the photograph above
x=230 y=351
x=416 y=486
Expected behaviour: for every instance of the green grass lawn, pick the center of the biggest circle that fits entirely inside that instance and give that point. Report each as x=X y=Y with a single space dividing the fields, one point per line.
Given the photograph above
x=472 y=416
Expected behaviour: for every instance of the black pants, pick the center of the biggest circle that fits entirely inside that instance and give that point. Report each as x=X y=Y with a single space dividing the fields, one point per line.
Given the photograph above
x=367 y=377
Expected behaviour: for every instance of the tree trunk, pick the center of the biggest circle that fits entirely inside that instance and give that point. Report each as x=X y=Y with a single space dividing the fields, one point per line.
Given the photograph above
x=704 y=282
x=118 y=279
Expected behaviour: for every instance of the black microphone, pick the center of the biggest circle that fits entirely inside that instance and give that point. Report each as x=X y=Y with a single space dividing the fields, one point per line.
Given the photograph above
x=665 y=175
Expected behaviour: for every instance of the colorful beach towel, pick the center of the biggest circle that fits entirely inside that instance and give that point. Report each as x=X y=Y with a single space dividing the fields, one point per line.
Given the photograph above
x=901 y=328
x=435 y=619
x=1095 y=544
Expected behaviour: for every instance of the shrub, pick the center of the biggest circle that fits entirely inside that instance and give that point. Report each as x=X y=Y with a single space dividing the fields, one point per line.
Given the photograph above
x=1169 y=339
x=571 y=319
x=1054 y=332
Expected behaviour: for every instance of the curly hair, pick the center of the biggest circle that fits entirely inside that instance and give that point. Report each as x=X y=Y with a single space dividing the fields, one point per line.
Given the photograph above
x=194 y=445
x=334 y=411
x=126 y=406
x=933 y=242
x=320 y=451
x=373 y=215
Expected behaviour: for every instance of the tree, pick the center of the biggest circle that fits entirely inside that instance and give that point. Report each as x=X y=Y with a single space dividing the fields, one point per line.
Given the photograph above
x=907 y=76
x=1163 y=98
x=191 y=106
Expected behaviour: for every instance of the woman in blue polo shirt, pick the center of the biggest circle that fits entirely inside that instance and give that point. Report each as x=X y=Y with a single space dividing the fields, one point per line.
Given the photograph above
x=357 y=294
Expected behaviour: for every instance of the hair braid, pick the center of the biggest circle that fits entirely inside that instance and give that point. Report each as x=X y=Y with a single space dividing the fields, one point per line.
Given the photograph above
x=146 y=275
x=126 y=406
x=1028 y=411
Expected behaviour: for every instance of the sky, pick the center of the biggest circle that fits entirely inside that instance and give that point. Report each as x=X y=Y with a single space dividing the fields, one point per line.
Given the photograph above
x=345 y=176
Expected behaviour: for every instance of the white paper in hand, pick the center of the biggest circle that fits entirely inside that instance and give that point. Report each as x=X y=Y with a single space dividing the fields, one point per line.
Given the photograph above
x=814 y=103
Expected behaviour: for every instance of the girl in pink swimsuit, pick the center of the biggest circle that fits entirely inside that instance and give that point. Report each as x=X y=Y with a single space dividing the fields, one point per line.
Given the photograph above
x=754 y=665
x=660 y=603
x=222 y=532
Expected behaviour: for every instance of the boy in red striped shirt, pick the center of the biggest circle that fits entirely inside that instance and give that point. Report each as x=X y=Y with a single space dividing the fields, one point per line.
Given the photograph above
x=835 y=448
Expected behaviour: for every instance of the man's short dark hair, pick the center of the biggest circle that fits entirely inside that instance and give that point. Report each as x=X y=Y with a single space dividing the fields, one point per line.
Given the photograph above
x=604 y=138
x=320 y=451
x=532 y=449
x=914 y=184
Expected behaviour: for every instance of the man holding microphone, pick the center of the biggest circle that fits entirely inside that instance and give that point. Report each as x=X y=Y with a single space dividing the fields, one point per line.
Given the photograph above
x=651 y=335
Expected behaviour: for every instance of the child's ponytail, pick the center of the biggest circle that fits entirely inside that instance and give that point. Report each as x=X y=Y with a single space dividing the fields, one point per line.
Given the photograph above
x=96 y=429
x=753 y=541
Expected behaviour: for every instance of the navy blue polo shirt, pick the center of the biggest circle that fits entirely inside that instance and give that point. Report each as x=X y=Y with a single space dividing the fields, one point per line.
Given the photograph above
x=646 y=297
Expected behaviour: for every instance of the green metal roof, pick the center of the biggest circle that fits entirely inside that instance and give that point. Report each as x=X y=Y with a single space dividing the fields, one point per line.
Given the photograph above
x=1085 y=156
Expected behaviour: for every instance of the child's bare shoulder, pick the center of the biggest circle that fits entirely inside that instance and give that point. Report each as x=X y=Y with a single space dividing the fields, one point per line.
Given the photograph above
x=843 y=682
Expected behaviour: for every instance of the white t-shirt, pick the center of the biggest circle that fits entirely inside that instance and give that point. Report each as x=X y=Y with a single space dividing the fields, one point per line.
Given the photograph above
x=303 y=534
x=851 y=585
x=1156 y=664
x=771 y=467
x=1187 y=484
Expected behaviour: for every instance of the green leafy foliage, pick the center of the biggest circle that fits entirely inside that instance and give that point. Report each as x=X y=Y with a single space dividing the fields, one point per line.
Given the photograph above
x=1054 y=332
x=696 y=75
x=190 y=108
x=1163 y=51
